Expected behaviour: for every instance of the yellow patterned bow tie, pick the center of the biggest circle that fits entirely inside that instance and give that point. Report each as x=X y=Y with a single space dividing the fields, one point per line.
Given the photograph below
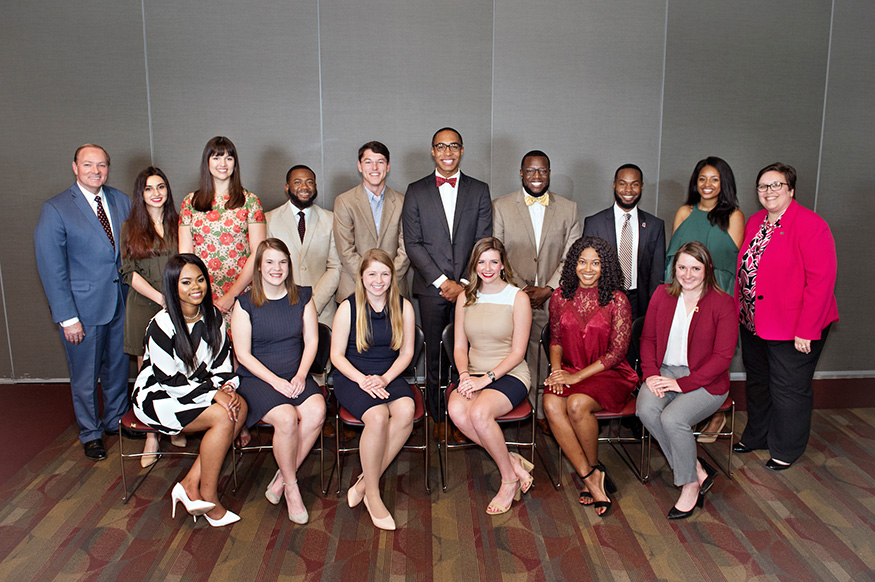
x=544 y=199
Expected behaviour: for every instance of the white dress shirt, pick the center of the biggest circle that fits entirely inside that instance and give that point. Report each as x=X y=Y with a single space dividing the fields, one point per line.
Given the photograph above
x=619 y=218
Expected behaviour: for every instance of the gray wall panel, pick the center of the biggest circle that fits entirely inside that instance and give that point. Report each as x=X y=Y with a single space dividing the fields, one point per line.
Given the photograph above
x=583 y=84
x=70 y=76
x=744 y=81
x=251 y=75
x=846 y=196
x=397 y=74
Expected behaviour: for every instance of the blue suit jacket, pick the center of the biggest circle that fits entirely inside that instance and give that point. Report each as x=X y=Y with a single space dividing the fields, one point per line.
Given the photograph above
x=77 y=264
x=651 y=248
x=427 y=234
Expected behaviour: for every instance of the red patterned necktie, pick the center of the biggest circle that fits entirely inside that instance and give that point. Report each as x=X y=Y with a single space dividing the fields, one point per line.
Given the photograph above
x=104 y=221
x=441 y=181
x=302 y=228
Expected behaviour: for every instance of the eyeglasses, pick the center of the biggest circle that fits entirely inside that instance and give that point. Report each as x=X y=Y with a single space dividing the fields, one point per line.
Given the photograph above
x=542 y=172
x=442 y=147
x=774 y=187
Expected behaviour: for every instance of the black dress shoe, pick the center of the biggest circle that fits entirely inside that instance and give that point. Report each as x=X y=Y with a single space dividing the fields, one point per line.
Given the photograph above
x=742 y=449
x=675 y=513
x=709 y=480
x=127 y=433
x=94 y=450
x=776 y=466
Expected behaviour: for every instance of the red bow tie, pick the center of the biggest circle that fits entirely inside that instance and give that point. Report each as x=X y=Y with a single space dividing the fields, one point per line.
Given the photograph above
x=441 y=181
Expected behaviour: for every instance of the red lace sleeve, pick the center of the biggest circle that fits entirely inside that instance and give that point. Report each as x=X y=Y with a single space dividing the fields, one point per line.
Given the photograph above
x=556 y=303
x=621 y=330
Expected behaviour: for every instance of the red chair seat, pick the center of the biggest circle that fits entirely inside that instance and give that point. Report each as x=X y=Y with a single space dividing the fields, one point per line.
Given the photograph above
x=520 y=412
x=131 y=422
x=418 y=410
x=628 y=410
x=727 y=405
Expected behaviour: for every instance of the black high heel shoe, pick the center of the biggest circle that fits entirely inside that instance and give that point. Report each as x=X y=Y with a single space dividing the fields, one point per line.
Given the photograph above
x=675 y=513
x=607 y=485
x=709 y=480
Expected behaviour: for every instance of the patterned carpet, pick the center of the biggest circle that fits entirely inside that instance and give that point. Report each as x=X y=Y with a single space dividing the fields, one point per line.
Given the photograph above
x=63 y=518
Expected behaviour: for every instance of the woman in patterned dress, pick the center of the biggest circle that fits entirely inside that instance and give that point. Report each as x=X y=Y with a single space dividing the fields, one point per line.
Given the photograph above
x=221 y=223
x=187 y=383
x=590 y=328
x=492 y=324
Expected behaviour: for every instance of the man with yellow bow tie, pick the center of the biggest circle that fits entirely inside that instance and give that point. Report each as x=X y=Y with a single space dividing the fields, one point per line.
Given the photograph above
x=537 y=228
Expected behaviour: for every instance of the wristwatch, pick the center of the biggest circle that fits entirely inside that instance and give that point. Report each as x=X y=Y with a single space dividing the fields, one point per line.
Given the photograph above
x=491 y=375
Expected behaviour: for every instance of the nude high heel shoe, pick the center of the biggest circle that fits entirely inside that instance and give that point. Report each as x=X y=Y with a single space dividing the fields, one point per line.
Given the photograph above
x=386 y=523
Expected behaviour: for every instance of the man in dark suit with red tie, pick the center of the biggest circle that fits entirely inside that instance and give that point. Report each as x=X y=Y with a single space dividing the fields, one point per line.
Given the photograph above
x=643 y=245
x=444 y=214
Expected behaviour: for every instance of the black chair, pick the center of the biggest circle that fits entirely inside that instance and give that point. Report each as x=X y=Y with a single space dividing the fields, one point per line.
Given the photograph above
x=523 y=411
x=319 y=368
x=420 y=414
x=130 y=422
x=614 y=434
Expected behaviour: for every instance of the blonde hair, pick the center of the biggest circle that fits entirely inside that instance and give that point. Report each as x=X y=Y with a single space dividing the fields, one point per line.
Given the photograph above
x=363 y=335
x=489 y=243
x=257 y=293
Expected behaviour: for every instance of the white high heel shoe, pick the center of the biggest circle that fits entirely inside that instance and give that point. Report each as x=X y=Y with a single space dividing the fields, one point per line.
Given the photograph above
x=194 y=507
x=271 y=496
x=299 y=518
x=227 y=519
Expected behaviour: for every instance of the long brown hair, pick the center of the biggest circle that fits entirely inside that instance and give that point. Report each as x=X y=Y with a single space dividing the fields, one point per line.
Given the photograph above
x=257 y=292
x=141 y=239
x=699 y=252
x=203 y=198
x=489 y=243
x=363 y=334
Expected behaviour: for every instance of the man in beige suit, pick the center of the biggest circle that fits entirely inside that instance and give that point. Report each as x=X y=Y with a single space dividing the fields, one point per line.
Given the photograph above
x=537 y=228
x=367 y=217
x=314 y=257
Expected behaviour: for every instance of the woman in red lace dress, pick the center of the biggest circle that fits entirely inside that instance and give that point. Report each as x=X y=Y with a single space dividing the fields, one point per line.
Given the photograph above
x=590 y=327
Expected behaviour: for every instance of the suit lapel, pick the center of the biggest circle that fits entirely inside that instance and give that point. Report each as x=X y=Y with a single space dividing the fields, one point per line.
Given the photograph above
x=526 y=218
x=364 y=208
x=86 y=209
x=288 y=227
x=437 y=206
x=549 y=216
x=311 y=227
x=643 y=233
x=386 y=216
x=461 y=203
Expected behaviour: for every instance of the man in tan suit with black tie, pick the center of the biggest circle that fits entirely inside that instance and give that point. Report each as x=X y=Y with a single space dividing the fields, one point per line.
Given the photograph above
x=367 y=217
x=537 y=228
x=311 y=242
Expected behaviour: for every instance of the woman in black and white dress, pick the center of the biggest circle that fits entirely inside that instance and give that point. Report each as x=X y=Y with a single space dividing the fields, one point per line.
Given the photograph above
x=187 y=383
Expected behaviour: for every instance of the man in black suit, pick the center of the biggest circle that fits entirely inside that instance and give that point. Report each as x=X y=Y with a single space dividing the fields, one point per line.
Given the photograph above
x=444 y=214
x=644 y=244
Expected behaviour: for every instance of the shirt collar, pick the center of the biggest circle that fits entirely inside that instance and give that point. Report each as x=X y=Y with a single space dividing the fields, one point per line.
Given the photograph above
x=618 y=213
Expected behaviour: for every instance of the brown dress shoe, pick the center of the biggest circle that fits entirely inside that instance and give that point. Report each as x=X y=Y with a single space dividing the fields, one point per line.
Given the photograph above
x=458 y=436
x=438 y=432
x=545 y=426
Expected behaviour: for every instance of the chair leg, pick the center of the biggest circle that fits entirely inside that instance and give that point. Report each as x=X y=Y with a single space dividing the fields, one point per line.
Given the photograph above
x=337 y=428
x=121 y=462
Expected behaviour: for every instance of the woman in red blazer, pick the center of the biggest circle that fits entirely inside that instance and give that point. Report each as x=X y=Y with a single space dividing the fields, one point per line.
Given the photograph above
x=785 y=293
x=687 y=345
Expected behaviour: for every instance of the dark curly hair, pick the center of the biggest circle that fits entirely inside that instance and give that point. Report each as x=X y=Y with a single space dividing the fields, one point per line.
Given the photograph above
x=727 y=201
x=611 y=278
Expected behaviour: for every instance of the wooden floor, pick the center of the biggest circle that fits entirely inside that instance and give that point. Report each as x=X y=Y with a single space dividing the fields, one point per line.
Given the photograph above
x=62 y=518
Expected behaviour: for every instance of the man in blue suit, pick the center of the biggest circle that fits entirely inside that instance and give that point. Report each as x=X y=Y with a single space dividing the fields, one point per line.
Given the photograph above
x=77 y=255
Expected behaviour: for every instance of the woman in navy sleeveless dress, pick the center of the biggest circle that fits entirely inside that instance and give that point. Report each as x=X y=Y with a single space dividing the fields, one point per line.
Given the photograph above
x=372 y=344
x=276 y=336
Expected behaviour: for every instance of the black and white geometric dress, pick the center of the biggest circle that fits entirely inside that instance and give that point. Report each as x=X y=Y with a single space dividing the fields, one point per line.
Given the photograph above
x=166 y=395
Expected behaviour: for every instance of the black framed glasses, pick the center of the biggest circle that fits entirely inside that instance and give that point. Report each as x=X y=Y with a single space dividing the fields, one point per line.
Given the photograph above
x=542 y=172
x=774 y=186
x=454 y=147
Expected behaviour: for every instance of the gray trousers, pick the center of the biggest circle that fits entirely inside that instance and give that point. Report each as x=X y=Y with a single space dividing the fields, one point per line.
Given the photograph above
x=670 y=420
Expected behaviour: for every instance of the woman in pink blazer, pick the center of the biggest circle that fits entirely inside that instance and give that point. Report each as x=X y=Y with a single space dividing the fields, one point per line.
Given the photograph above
x=786 y=303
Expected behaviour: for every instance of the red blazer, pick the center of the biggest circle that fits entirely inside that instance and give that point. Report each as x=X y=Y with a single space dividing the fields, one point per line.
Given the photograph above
x=710 y=345
x=795 y=284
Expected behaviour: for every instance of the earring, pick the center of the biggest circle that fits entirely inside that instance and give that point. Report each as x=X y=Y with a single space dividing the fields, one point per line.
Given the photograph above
x=503 y=275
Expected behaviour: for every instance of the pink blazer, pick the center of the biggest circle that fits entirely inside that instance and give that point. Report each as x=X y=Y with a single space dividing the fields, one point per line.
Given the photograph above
x=795 y=282
x=710 y=344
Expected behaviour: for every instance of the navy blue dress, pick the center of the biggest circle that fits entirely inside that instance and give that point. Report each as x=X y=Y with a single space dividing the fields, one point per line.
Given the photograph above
x=278 y=343
x=374 y=361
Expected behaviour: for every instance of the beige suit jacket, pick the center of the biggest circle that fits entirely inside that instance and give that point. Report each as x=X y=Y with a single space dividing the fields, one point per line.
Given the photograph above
x=513 y=226
x=314 y=262
x=355 y=233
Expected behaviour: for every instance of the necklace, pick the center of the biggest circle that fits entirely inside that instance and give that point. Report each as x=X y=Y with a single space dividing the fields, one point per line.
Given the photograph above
x=187 y=318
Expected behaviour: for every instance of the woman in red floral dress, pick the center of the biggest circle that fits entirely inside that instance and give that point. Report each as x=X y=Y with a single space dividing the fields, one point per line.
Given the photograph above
x=221 y=222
